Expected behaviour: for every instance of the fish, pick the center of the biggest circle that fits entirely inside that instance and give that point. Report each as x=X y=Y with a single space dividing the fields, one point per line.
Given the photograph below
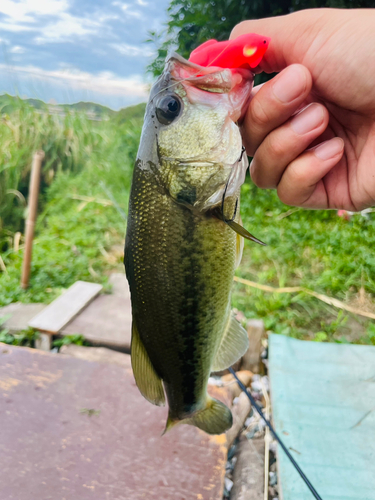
x=184 y=239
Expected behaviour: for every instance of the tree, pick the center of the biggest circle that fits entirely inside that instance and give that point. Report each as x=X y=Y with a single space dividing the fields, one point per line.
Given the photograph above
x=192 y=22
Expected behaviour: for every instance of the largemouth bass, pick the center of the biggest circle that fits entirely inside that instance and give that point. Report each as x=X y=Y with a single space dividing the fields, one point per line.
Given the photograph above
x=182 y=242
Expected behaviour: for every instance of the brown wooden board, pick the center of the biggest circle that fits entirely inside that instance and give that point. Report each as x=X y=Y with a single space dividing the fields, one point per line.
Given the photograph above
x=63 y=309
x=73 y=429
x=107 y=320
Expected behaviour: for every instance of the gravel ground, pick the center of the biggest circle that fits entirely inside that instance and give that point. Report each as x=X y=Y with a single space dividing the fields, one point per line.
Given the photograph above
x=255 y=428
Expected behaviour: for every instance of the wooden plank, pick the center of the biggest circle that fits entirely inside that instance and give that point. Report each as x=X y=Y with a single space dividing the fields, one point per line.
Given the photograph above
x=323 y=400
x=63 y=309
x=248 y=476
x=251 y=359
x=43 y=342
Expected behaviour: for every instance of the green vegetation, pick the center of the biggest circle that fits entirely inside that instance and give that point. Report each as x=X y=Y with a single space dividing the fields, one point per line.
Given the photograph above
x=316 y=250
x=131 y=113
x=70 y=339
x=69 y=143
x=81 y=226
x=25 y=338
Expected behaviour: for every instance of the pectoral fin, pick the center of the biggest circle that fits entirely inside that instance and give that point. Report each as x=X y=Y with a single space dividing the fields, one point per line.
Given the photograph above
x=237 y=228
x=242 y=231
x=234 y=344
x=147 y=380
x=239 y=249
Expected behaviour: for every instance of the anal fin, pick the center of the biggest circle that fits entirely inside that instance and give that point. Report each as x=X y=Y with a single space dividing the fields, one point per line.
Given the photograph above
x=233 y=345
x=146 y=378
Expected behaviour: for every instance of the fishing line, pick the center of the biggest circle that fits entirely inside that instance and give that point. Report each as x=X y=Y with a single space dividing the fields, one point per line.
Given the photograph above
x=224 y=49
x=278 y=439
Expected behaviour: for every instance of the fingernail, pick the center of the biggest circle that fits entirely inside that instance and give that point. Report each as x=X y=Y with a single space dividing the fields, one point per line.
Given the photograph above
x=289 y=85
x=329 y=149
x=308 y=119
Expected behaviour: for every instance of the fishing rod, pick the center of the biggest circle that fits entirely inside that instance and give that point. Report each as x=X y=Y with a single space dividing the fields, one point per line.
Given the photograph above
x=278 y=439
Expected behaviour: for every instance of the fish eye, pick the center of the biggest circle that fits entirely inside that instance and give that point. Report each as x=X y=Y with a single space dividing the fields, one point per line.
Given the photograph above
x=168 y=109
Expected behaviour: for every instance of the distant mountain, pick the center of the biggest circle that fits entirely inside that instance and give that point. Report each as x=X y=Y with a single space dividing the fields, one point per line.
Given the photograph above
x=89 y=107
x=94 y=111
x=136 y=112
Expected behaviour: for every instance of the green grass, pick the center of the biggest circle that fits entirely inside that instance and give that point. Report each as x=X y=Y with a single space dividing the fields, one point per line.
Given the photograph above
x=82 y=224
x=313 y=249
x=68 y=142
x=24 y=338
x=81 y=227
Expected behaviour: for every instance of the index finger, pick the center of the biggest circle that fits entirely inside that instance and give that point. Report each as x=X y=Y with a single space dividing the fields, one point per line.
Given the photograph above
x=274 y=103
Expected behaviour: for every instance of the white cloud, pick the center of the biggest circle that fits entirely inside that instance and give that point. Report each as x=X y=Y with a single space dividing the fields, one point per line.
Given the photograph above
x=104 y=83
x=24 y=11
x=125 y=7
x=65 y=28
x=17 y=49
x=132 y=50
x=58 y=24
x=15 y=27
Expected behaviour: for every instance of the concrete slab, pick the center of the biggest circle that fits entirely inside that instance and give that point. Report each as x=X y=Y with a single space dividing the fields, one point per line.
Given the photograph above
x=97 y=354
x=20 y=315
x=107 y=320
x=119 y=285
x=74 y=429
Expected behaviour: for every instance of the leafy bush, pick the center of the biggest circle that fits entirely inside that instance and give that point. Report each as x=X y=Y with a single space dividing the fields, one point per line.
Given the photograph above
x=82 y=219
x=69 y=143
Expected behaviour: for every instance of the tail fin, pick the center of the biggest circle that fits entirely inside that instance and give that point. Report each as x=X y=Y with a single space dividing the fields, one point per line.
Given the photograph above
x=215 y=418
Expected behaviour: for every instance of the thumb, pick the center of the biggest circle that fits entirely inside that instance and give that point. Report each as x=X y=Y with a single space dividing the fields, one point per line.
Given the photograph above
x=291 y=36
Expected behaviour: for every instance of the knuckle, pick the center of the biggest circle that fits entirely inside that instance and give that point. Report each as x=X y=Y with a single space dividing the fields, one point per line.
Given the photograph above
x=257 y=174
x=260 y=114
x=285 y=195
x=276 y=148
x=297 y=174
x=294 y=182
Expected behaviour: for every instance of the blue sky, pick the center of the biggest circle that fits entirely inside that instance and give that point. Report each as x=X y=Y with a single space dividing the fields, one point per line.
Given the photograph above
x=73 y=50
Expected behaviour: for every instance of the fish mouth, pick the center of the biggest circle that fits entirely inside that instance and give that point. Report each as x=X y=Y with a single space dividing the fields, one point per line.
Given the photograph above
x=236 y=83
x=210 y=78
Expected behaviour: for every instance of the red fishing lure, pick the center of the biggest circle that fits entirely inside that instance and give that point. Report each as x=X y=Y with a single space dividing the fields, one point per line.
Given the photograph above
x=242 y=52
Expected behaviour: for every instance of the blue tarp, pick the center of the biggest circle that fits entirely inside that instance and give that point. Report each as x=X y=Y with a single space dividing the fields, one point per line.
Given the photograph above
x=323 y=405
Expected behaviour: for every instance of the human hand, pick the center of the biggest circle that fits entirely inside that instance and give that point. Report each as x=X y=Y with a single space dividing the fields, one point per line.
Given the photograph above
x=311 y=129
